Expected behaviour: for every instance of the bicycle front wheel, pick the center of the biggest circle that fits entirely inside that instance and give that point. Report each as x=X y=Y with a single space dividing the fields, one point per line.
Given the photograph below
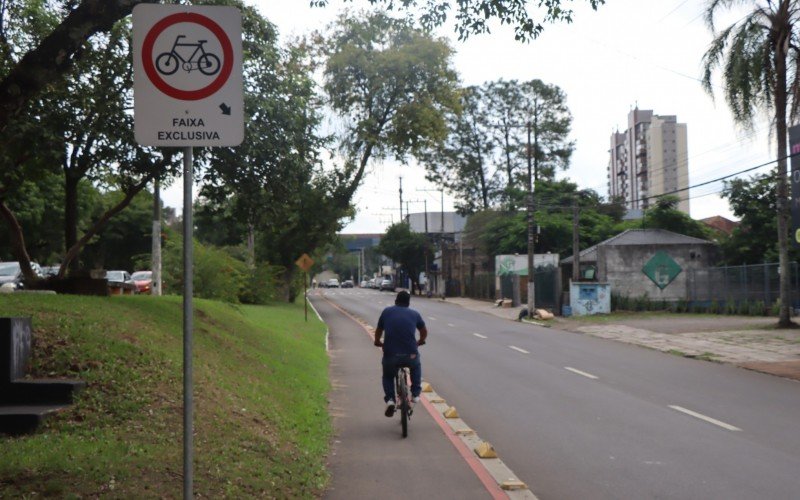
x=208 y=64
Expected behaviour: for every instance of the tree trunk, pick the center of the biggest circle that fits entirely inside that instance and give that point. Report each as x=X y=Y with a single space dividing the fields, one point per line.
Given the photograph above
x=784 y=318
x=74 y=250
x=18 y=243
x=289 y=292
x=70 y=214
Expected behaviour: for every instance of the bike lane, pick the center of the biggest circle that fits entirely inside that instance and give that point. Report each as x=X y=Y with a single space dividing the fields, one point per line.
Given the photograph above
x=369 y=457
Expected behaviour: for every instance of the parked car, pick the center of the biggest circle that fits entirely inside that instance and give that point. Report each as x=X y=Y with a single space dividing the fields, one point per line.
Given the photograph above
x=120 y=283
x=143 y=280
x=387 y=284
x=48 y=271
x=11 y=274
x=347 y=284
x=333 y=283
x=363 y=284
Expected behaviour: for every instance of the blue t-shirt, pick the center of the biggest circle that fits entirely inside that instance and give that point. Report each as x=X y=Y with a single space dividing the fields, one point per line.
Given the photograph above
x=399 y=325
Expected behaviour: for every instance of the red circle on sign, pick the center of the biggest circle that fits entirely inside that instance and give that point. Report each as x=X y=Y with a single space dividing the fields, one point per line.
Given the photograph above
x=150 y=68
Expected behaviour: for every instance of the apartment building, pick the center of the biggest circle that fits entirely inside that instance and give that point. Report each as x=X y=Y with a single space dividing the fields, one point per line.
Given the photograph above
x=649 y=159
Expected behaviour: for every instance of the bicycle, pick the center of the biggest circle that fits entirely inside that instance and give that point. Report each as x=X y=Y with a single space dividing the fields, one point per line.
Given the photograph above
x=168 y=63
x=403 y=397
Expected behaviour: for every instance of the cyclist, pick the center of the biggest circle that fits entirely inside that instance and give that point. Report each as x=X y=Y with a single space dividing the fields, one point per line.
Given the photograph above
x=400 y=323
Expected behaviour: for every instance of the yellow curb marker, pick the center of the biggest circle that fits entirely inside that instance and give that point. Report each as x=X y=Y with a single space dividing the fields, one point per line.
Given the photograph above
x=426 y=387
x=513 y=484
x=451 y=412
x=485 y=450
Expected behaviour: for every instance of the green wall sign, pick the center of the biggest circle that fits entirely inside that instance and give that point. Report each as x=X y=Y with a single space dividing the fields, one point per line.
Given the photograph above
x=661 y=269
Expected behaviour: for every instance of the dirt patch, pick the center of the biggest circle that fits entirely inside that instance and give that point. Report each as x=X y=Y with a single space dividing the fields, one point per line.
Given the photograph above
x=786 y=369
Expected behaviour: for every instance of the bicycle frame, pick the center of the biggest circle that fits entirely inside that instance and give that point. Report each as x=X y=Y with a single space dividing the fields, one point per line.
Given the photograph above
x=198 y=47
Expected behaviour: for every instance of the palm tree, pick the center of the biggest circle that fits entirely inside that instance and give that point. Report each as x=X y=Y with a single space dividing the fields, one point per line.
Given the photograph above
x=760 y=60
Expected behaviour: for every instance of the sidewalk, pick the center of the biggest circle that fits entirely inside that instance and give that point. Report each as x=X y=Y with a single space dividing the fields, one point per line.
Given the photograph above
x=749 y=342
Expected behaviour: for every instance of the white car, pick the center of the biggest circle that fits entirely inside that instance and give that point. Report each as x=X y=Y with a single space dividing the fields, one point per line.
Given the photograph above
x=332 y=283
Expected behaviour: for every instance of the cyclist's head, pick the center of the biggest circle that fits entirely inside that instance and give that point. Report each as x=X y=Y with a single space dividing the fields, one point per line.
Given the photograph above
x=403 y=299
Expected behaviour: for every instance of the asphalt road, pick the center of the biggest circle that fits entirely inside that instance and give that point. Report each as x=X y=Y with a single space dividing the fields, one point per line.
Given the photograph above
x=578 y=417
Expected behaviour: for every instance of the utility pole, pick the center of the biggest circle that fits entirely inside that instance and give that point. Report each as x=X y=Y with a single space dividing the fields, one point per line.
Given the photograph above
x=576 y=249
x=401 y=198
x=531 y=246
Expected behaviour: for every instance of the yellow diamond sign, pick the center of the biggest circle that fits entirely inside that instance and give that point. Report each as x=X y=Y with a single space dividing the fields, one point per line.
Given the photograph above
x=304 y=262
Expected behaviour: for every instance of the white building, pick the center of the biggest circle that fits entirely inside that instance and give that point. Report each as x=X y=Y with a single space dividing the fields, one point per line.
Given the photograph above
x=649 y=159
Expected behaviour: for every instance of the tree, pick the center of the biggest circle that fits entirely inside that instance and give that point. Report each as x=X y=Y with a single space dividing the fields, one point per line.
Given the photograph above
x=393 y=84
x=472 y=16
x=272 y=190
x=753 y=240
x=760 y=60
x=665 y=215
x=462 y=163
x=406 y=248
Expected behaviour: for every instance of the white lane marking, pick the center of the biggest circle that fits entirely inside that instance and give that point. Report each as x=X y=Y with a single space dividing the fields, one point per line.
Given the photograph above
x=431 y=318
x=480 y=336
x=523 y=351
x=587 y=375
x=703 y=417
x=451 y=325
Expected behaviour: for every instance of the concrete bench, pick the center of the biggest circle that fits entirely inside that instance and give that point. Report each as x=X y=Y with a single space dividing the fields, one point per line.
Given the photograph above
x=25 y=402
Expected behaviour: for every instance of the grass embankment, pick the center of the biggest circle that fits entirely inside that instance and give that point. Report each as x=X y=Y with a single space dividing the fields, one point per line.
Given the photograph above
x=260 y=385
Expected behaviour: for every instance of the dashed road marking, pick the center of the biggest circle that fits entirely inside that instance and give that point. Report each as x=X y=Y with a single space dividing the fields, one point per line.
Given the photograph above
x=706 y=418
x=480 y=336
x=431 y=318
x=523 y=351
x=582 y=373
x=451 y=325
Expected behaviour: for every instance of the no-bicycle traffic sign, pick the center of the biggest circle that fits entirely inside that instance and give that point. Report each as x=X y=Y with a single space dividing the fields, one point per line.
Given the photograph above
x=187 y=69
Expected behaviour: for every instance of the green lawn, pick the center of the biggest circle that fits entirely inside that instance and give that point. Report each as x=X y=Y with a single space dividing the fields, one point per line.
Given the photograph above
x=261 y=382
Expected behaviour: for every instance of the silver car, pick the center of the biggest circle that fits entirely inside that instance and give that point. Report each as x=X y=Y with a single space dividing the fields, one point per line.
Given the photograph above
x=11 y=274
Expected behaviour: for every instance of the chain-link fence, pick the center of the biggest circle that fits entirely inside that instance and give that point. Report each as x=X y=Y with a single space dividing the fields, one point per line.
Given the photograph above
x=737 y=284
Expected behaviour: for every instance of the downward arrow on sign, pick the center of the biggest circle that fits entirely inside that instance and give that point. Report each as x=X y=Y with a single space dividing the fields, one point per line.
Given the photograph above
x=226 y=110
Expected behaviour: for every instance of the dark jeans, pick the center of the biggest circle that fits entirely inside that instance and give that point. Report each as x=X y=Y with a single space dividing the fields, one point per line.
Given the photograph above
x=391 y=362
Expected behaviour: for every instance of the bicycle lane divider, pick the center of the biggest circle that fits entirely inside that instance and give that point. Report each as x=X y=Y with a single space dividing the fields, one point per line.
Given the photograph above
x=496 y=476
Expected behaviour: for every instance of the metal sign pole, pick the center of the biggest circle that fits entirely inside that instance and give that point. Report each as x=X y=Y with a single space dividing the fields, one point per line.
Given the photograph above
x=305 y=294
x=188 y=420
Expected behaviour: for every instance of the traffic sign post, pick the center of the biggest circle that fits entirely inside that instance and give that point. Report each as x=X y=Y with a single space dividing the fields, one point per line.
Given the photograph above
x=187 y=88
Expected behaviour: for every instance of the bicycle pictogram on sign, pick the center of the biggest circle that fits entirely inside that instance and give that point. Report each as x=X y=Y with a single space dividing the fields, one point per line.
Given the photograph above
x=167 y=63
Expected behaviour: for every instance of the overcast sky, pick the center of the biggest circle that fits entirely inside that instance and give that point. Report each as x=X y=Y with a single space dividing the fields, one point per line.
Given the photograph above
x=628 y=52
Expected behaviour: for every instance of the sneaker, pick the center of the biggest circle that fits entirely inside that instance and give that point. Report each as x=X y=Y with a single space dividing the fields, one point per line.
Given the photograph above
x=389 y=409
x=416 y=399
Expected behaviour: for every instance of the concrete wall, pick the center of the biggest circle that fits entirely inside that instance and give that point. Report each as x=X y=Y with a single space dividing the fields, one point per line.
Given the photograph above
x=621 y=267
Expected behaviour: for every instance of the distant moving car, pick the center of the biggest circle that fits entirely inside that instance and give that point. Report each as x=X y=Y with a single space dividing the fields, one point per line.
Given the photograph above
x=347 y=284
x=120 y=283
x=11 y=274
x=332 y=283
x=387 y=284
x=143 y=280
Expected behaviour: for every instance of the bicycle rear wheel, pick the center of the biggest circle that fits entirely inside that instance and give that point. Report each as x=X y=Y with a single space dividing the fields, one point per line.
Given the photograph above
x=402 y=395
x=404 y=417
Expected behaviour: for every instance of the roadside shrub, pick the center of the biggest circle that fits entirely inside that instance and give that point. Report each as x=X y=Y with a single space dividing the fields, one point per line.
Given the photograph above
x=217 y=275
x=262 y=284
